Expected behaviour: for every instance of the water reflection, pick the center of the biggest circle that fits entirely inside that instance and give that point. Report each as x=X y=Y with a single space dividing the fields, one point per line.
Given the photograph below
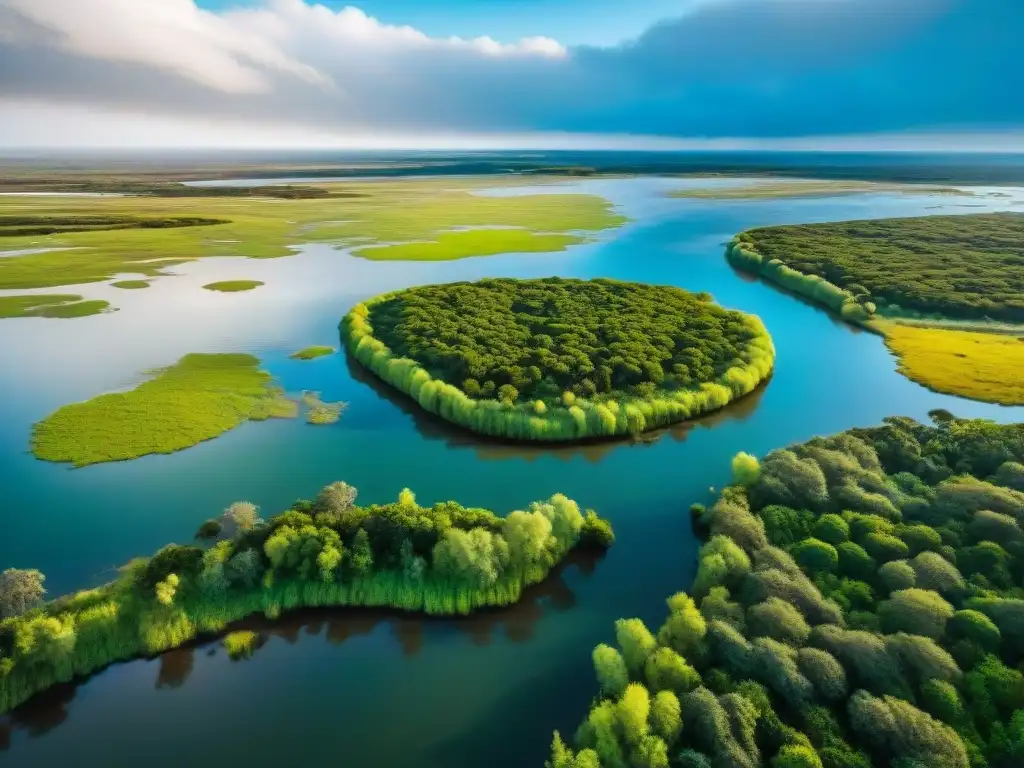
x=433 y=427
x=52 y=707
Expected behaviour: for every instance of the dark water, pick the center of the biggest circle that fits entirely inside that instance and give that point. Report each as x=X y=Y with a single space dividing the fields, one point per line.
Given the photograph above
x=371 y=688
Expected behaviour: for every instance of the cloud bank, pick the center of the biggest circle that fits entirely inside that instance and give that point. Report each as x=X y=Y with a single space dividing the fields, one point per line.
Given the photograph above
x=726 y=68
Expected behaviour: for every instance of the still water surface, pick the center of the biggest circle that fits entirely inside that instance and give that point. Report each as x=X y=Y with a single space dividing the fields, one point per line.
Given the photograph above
x=371 y=688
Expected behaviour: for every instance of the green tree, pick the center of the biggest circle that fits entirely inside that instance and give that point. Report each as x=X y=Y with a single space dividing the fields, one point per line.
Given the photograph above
x=20 y=590
x=796 y=756
x=632 y=711
x=666 y=716
x=745 y=469
x=610 y=669
x=636 y=642
x=832 y=529
x=816 y=556
x=916 y=611
x=361 y=555
x=667 y=670
x=684 y=628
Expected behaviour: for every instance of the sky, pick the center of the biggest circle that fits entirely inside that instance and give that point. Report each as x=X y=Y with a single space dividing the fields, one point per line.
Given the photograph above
x=658 y=74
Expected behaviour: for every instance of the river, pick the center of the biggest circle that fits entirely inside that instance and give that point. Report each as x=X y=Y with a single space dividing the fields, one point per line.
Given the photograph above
x=372 y=688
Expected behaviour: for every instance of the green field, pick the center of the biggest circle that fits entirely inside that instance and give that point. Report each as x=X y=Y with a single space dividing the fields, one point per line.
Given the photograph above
x=380 y=211
x=233 y=286
x=196 y=399
x=61 y=305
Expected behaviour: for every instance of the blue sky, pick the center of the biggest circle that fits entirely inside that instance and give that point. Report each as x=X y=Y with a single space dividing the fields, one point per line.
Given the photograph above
x=685 y=73
x=573 y=22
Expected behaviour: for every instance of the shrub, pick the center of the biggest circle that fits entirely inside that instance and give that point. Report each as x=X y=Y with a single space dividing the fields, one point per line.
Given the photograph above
x=667 y=670
x=975 y=627
x=855 y=562
x=920 y=538
x=816 y=556
x=785 y=526
x=796 y=756
x=896 y=728
x=832 y=529
x=885 y=547
x=636 y=642
x=915 y=611
x=897 y=575
x=241 y=644
x=933 y=572
x=745 y=469
x=777 y=620
x=825 y=673
x=665 y=717
x=610 y=669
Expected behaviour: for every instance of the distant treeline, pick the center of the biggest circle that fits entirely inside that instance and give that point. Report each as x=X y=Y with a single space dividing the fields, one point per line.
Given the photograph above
x=446 y=559
x=16 y=226
x=964 y=267
x=858 y=603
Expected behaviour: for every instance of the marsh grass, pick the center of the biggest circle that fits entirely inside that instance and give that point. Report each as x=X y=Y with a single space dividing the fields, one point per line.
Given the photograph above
x=131 y=284
x=58 y=305
x=318 y=412
x=477 y=242
x=261 y=227
x=233 y=286
x=980 y=366
x=313 y=352
x=196 y=399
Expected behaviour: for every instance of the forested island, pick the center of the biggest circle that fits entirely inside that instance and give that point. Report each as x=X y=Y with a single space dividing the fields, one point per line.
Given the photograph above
x=445 y=559
x=857 y=603
x=560 y=359
x=947 y=292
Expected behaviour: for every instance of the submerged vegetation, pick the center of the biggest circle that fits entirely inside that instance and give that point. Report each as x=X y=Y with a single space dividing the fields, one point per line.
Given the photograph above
x=313 y=352
x=319 y=412
x=444 y=560
x=196 y=399
x=560 y=359
x=897 y=277
x=858 y=603
x=233 y=286
x=59 y=305
x=356 y=214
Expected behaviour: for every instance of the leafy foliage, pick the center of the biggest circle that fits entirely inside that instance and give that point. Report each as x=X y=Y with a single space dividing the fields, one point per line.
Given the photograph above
x=810 y=654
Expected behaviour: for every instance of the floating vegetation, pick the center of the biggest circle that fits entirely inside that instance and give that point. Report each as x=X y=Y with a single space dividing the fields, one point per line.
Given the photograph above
x=311 y=353
x=319 y=412
x=233 y=286
x=131 y=284
x=196 y=399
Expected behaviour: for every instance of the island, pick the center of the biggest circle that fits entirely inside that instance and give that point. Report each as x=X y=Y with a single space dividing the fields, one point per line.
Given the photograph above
x=55 y=305
x=558 y=359
x=312 y=352
x=946 y=292
x=444 y=560
x=233 y=286
x=130 y=284
x=198 y=398
x=857 y=603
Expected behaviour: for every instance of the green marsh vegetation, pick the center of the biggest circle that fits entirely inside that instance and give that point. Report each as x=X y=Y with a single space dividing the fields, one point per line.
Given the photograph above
x=313 y=352
x=770 y=189
x=946 y=292
x=857 y=603
x=233 y=286
x=319 y=412
x=196 y=399
x=379 y=211
x=445 y=559
x=559 y=359
x=241 y=644
x=477 y=242
x=59 y=305
x=131 y=284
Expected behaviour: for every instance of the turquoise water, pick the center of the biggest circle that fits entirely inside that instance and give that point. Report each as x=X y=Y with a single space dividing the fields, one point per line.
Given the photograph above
x=373 y=689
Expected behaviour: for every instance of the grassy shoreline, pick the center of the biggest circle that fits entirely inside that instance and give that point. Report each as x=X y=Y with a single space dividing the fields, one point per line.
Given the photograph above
x=578 y=418
x=973 y=358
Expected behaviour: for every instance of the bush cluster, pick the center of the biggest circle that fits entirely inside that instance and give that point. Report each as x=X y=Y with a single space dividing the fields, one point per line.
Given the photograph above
x=446 y=559
x=858 y=603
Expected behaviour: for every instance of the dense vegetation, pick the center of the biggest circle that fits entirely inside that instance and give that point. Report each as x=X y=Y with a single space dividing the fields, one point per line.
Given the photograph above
x=445 y=559
x=858 y=603
x=955 y=266
x=560 y=359
x=196 y=399
x=233 y=286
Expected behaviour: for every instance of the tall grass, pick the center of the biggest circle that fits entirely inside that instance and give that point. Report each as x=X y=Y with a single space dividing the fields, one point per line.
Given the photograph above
x=582 y=419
